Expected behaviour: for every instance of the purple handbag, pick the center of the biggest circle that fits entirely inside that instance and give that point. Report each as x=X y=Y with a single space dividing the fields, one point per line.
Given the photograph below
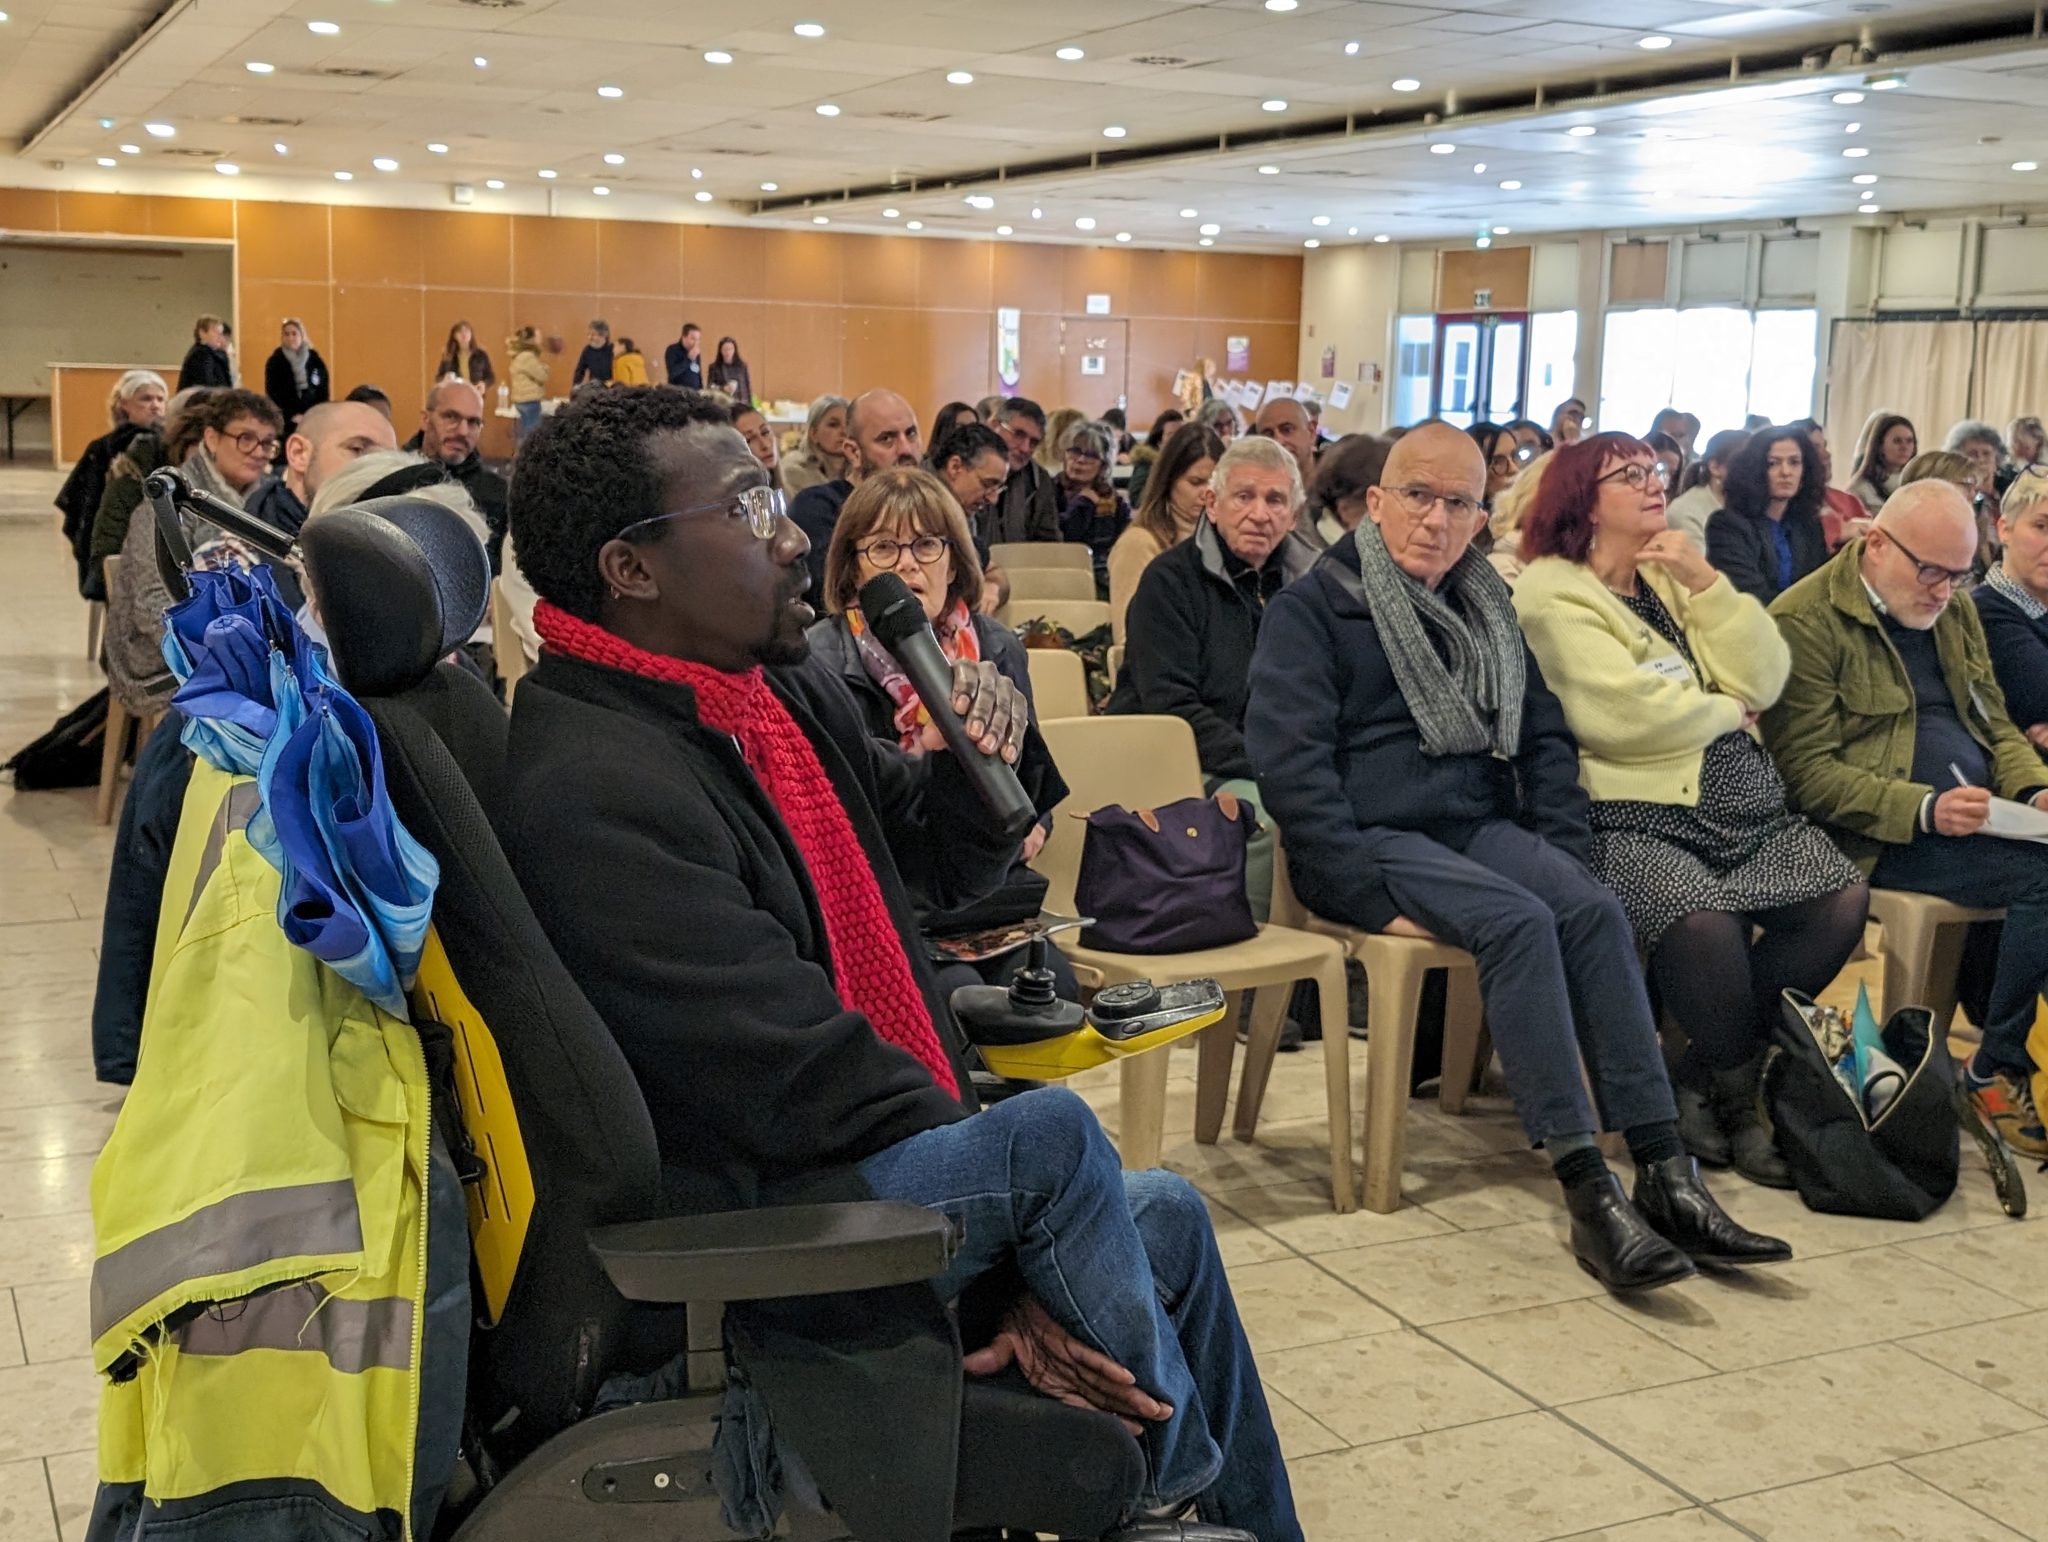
x=1167 y=880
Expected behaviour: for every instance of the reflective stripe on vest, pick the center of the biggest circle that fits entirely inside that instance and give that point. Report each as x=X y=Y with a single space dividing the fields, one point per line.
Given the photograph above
x=353 y=1335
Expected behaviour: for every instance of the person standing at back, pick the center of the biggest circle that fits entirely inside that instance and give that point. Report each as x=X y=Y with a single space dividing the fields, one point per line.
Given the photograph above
x=529 y=380
x=464 y=361
x=729 y=373
x=594 y=363
x=206 y=361
x=684 y=358
x=295 y=376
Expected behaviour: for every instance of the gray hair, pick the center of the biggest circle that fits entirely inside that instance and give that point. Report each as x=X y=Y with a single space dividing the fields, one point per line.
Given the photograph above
x=1090 y=439
x=135 y=381
x=1264 y=455
x=1214 y=411
x=352 y=483
x=1974 y=431
x=820 y=410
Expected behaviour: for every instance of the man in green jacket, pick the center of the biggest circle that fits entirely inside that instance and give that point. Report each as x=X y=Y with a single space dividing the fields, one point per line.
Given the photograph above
x=1893 y=733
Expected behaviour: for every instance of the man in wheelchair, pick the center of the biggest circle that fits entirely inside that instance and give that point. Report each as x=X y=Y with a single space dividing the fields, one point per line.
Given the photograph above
x=718 y=852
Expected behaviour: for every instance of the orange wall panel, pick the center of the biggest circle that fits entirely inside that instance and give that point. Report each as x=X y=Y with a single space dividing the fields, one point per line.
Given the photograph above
x=1256 y=288
x=27 y=208
x=1040 y=371
x=800 y=265
x=466 y=249
x=1095 y=270
x=96 y=212
x=282 y=241
x=798 y=355
x=961 y=364
x=380 y=338
x=203 y=218
x=879 y=270
x=955 y=275
x=651 y=323
x=554 y=254
x=1027 y=277
x=722 y=262
x=1166 y=284
x=378 y=246
x=638 y=258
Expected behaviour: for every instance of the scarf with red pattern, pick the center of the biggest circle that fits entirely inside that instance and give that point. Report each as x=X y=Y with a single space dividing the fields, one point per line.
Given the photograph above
x=869 y=967
x=957 y=640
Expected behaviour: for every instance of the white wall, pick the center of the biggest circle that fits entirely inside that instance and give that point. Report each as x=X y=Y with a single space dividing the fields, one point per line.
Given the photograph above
x=1348 y=300
x=103 y=305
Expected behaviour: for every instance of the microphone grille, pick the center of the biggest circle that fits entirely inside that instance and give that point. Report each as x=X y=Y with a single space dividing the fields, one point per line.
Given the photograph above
x=891 y=610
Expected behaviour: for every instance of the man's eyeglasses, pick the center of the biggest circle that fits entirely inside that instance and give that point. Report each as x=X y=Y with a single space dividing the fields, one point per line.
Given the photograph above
x=760 y=507
x=885 y=553
x=1639 y=476
x=1931 y=574
x=1418 y=501
x=256 y=444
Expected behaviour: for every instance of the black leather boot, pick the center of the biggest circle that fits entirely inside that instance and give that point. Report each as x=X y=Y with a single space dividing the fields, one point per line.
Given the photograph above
x=1677 y=1205
x=1699 y=1128
x=1614 y=1244
x=1737 y=1111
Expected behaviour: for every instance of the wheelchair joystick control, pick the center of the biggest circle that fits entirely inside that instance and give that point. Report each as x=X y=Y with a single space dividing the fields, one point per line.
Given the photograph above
x=1033 y=987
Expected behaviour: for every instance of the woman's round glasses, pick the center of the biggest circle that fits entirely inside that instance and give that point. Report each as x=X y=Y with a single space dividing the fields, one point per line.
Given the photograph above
x=1639 y=475
x=886 y=553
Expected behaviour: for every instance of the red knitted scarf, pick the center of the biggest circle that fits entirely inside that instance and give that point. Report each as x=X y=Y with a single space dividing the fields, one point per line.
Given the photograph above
x=870 y=969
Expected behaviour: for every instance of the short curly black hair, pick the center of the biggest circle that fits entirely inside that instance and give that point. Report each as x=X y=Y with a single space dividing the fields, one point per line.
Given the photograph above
x=585 y=475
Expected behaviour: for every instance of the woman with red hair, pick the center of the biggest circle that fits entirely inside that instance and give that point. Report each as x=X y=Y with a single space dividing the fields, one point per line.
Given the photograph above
x=1662 y=666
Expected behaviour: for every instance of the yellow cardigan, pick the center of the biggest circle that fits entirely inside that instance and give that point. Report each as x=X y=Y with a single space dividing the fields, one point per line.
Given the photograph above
x=1642 y=719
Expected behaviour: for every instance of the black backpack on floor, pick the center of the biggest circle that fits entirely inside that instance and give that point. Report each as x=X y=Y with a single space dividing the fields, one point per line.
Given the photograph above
x=68 y=755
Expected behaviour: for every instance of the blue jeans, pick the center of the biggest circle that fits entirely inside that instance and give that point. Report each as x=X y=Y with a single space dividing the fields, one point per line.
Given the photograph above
x=529 y=419
x=1127 y=1263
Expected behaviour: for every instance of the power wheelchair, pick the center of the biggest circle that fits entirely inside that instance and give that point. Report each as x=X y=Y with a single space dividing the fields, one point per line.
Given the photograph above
x=577 y=1276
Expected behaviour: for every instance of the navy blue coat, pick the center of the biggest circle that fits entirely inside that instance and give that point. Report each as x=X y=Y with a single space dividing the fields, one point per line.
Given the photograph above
x=2019 y=655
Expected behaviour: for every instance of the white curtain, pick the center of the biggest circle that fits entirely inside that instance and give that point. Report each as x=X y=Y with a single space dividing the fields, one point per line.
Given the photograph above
x=1921 y=369
x=2011 y=378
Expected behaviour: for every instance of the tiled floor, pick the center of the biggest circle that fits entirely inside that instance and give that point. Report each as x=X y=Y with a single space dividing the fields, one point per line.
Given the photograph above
x=1442 y=1373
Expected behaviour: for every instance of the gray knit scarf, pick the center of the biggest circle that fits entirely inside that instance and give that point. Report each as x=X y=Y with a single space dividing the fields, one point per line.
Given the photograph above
x=1471 y=704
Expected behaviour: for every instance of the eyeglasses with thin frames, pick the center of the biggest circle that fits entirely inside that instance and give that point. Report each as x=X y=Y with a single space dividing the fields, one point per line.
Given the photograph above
x=761 y=507
x=1638 y=475
x=1930 y=574
x=1418 y=501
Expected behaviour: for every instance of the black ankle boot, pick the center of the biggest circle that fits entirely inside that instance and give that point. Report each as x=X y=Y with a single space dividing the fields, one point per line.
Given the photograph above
x=1752 y=1148
x=1699 y=1128
x=1678 y=1207
x=1614 y=1244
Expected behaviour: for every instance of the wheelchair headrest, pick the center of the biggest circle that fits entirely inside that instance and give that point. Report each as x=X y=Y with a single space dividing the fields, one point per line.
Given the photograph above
x=399 y=584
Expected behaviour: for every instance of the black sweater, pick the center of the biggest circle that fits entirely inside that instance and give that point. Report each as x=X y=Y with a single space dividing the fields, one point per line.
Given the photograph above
x=2019 y=655
x=674 y=894
x=204 y=366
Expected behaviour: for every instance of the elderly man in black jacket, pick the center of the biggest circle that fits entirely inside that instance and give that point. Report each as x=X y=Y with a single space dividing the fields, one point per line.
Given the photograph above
x=712 y=841
x=1426 y=784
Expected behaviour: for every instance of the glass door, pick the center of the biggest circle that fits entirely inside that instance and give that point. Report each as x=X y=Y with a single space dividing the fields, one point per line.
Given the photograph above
x=1482 y=367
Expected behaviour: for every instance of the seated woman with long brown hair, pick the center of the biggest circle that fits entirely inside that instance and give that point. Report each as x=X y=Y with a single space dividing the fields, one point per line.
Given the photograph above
x=1177 y=493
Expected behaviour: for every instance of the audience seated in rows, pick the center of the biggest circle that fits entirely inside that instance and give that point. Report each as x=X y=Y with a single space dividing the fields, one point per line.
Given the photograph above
x=881 y=431
x=1768 y=534
x=451 y=428
x=2025 y=443
x=136 y=405
x=1425 y=781
x=1092 y=512
x=166 y=443
x=1178 y=492
x=1892 y=734
x=1703 y=489
x=1345 y=473
x=1029 y=509
x=1146 y=453
x=2012 y=605
x=1883 y=447
x=1661 y=666
x=1285 y=421
x=759 y=433
x=718 y=850
x=820 y=453
x=974 y=463
x=1842 y=515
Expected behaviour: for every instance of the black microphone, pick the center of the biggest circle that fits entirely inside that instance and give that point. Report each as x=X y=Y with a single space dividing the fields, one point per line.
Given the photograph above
x=897 y=619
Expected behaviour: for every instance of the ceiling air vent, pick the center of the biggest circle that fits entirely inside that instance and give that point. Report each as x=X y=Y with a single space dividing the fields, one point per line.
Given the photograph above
x=493 y=5
x=1158 y=61
x=192 y=152
x=245 y=120
x=912 y=115
x=349 y=72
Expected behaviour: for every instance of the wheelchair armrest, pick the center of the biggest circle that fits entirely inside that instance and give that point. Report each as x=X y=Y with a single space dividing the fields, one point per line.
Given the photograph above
x=774 y=1252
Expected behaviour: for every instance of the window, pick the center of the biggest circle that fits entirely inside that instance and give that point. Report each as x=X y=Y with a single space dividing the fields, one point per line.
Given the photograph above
x=1414 y=341
x=1553 y=362
x=1716 y=362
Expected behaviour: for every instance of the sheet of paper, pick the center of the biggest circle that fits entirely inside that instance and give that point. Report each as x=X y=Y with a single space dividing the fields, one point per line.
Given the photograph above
x=1279 y=390
x=1340 y=395
x=2016 y=821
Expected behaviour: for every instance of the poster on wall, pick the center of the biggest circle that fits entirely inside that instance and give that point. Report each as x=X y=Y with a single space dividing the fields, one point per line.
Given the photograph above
x=1237 y=353
x=1249 y=394
x=1330 y=362
x=1092 y=364
x=1009 y=363
x=1279 y=390
x=1340 y=395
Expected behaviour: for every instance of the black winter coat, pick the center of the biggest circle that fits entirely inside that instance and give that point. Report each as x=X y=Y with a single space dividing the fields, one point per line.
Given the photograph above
x=1340 y=762
x=1188 y=640
x=282 y=386
x=675 y=895
x=1740 y=545
x=2019 y=655
x=79 y=498
x=204 y=366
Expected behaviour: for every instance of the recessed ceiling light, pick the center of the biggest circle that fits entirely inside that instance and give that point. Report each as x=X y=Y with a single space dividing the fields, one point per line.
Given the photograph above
x=159 y=130
x=1311 y=243
x=980 y=201
x=1205 y=241
x=1038 y=214
x=1864 y=179
x=1069 y=54
x=959 y=77
x=1511 y=186
x=131 y=149
x=258 y=67
x=1442 y=147
x=717 y=56
x=602 y=191
x=1085 y=222
x=808 y=29
x=1320 y=219
x=1351 y=48
x=1502 y=230
x=3 y=16
x=1869 y=208
x=1269 y=171
x=495 y=184
x=227 y=168
x=1582 y=131
x=1282 y=5
x=696 y=173
x=1479 y=168
x=1382 y=240
x=820 y=219
x=1846 y=98
x=344 y=176
x=108 y=160
x=324 y=28
x=1856 y=152
x=282 y=148
x=547 y=174
x=385 y=163
x=1123 y=235
x=1654 y=41
x=703 y=197
x=437 y=148
x=1852 y=128
x=2026 y=166
x=611 y=93
x=611 y=157
x=1188 y=214
x=1885 y=82
x=481 y=62
x=889 y=214
x=1352 y=231
x=1407 y=83
x=1483 y=242
x=771 y=187
x=1273 y=104
x=1212 y=230
x=914 y=225
x=1002 y=230
x=828 y=110
x=1115 y=131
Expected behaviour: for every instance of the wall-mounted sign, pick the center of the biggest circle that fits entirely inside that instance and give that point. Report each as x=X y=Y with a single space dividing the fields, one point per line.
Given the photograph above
x=1237 y=353
x=1009 y=363
x=1482 y=299
x=1098 y=305
x=1279 y=390
x=1330 y=363
x=1091 y=364
x=1340 y=395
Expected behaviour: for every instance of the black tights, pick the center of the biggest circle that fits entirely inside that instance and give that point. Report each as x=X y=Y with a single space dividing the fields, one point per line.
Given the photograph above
x=1722 y=989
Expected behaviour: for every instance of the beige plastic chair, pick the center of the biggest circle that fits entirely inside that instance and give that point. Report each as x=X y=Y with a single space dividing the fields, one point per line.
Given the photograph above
x=1395 y=968
x=1080 y=617
x=1015 y=556
x=1029 y=585
x=122 y=727
x=95 y=621
x=1922 y=944
x=1059 y=683
x=1115 y=661
x=505 y=648
x=1144 y=762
